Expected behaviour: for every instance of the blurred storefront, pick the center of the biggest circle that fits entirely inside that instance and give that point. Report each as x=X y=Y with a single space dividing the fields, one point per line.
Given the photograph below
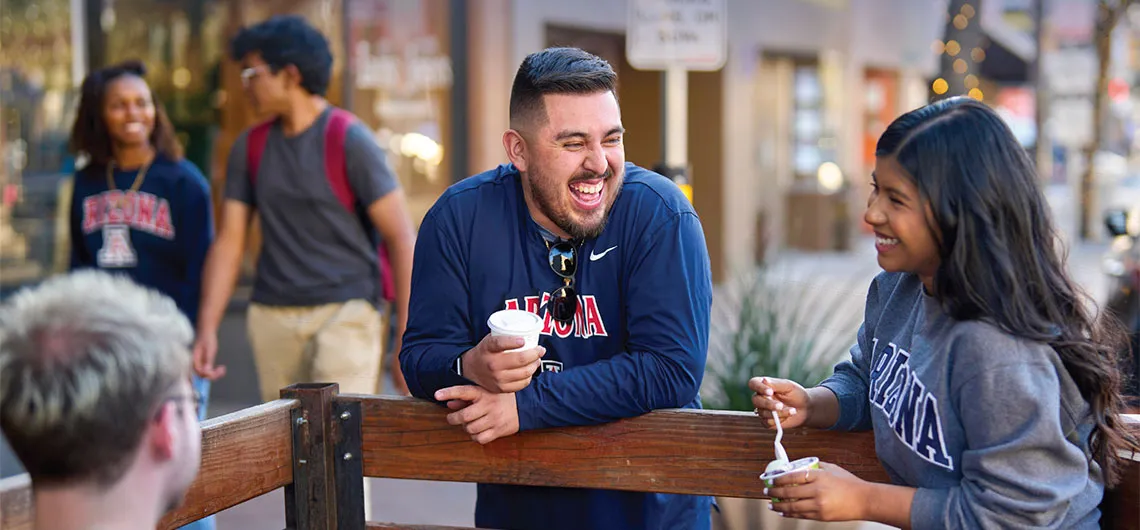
x=401 y=82
x=37 y=99
x=392 y=68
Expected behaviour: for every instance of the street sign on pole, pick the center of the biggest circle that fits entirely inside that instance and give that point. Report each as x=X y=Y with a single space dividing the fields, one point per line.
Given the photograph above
x=685 y=34
x=676 y=36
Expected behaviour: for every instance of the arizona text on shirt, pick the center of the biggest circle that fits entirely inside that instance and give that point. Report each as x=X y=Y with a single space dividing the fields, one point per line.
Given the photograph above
x=138 y=209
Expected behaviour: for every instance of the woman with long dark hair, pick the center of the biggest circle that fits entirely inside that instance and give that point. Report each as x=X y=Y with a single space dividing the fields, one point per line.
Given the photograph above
x=993 y=393
x=138 y=207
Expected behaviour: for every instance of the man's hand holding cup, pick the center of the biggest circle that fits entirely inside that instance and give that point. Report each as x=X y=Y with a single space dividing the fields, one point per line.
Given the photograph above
x=507 y=359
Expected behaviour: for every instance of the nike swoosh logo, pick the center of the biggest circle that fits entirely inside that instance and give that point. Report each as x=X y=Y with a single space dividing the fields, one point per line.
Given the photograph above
x=596 y=257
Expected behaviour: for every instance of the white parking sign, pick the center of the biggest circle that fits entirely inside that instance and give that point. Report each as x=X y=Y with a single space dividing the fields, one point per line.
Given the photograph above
x=686 y=34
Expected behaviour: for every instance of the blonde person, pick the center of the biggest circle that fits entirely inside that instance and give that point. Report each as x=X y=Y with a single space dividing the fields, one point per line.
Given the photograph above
x=96 y=401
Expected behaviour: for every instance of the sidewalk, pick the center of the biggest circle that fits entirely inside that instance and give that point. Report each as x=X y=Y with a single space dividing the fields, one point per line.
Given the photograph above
x=856 y=268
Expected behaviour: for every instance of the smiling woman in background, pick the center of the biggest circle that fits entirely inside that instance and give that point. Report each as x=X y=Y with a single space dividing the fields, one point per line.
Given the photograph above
x=138 y=208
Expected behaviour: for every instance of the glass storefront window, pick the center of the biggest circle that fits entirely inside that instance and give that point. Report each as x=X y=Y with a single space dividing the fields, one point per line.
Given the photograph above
x=39 y=73
x=402 y=81
x=807 y=120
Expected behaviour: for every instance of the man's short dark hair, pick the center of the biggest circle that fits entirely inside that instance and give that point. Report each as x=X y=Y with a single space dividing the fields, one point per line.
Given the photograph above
x=556 y=71
x=285 y=40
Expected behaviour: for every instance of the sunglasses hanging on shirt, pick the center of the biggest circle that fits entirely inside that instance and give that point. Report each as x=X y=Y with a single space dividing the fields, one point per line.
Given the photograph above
x=563 y=258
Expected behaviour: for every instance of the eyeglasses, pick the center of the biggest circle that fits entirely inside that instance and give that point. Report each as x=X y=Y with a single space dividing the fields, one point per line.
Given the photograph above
x=248 y=74
x=194 y=396
x=563 y=258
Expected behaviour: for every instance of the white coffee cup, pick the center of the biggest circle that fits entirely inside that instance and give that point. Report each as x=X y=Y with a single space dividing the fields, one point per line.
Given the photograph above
x=516 y=323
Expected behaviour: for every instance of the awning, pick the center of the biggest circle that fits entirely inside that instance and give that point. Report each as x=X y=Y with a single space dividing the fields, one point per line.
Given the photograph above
x=1010 y=52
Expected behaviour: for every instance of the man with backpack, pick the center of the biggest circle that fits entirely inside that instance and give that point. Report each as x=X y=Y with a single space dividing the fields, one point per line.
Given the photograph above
x=332 y=214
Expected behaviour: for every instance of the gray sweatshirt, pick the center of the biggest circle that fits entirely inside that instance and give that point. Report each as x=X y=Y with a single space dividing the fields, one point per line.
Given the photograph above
x=990 y=428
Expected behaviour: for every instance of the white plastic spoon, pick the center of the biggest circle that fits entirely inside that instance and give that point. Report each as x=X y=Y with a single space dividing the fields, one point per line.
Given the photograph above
x=781 y=455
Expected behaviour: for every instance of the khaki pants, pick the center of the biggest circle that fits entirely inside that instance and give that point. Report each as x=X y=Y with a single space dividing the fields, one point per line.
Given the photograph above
x=333 y=343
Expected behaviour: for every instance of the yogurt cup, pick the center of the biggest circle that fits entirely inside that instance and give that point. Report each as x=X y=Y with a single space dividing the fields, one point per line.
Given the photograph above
x=794 y=466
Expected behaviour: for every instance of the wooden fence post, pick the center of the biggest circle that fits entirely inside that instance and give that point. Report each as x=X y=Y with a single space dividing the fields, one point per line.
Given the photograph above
x=310 y=499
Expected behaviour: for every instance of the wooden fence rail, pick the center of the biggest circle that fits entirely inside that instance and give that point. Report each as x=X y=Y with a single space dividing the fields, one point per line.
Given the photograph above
x=320 y=445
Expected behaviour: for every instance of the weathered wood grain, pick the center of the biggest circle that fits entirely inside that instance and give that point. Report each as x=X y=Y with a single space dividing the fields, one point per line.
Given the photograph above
x=676 y=451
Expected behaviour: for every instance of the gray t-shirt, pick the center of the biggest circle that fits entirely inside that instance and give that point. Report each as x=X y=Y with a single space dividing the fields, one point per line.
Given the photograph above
x=989 y=427
x=314 y=250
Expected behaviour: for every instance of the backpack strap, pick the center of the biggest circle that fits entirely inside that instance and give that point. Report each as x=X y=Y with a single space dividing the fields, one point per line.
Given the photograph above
x=336 y=168
x=254 y=148
x=336 y=171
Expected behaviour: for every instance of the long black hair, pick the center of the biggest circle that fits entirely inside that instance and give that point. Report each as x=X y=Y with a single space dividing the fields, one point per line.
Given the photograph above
x=89 y=134
x=999 y=250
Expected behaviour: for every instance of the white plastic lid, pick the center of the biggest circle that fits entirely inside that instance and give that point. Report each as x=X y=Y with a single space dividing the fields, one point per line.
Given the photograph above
x=515 y=321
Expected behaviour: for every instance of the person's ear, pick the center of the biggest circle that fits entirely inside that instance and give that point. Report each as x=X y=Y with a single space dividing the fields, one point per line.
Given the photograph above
x=292 y=75
x=515 y=145
x=160 y=435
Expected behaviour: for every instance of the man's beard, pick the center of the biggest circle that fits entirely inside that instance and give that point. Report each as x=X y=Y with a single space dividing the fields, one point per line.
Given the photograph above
x=547 y=198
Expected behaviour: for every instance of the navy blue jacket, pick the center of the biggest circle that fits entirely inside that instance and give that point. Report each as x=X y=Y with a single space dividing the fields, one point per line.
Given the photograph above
x=157 y=236
x=638 y=343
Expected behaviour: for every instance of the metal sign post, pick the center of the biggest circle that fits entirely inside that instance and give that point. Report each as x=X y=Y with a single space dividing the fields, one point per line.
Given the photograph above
x=676 y=36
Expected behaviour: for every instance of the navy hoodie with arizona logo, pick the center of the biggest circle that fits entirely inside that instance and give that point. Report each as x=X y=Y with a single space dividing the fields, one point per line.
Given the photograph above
x=637 y=344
